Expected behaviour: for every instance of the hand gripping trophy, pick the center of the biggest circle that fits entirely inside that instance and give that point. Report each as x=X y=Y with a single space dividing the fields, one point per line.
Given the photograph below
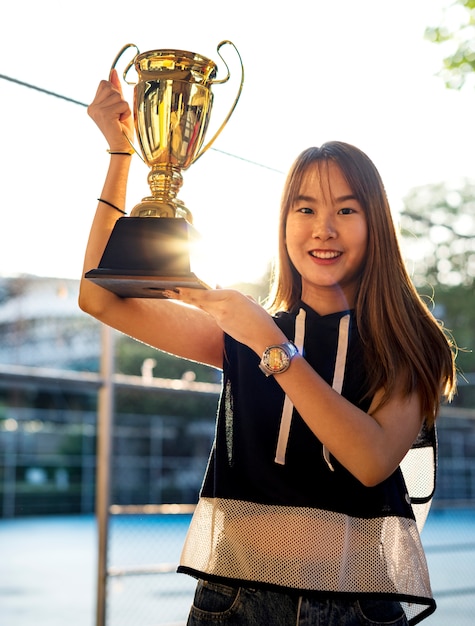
x=149 y=251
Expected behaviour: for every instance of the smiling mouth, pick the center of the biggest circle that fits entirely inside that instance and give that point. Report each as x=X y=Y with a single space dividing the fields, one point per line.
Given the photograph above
x=325 y=254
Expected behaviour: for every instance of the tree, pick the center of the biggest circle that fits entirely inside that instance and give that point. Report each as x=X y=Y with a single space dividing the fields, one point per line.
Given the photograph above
x=453 y=219
x=438 y=241
x=457 y=33
x=438 y=230
x=131 y=355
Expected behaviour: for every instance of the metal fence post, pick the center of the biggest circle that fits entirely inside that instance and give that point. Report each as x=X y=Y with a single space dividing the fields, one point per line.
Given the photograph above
x=104 y=439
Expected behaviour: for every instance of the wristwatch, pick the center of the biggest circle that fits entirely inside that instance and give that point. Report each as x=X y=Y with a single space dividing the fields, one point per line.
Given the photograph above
x=276 y=359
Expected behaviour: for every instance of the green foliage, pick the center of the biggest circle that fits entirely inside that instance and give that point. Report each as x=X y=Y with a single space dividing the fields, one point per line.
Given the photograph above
x=166 y=403
x=438 y=230
x=455 y=308
x=457 y=33
x=130 y=358
x=131 y=354
x=438 y=242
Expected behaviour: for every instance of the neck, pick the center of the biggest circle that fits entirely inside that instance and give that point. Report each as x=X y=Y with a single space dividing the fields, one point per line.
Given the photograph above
x=328 y=299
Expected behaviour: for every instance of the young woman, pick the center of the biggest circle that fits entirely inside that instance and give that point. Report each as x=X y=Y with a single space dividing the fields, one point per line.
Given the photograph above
x=304 y=516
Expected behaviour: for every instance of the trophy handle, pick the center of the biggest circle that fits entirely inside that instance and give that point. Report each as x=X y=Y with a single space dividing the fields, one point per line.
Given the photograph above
x=219 y=82
x=129 y=65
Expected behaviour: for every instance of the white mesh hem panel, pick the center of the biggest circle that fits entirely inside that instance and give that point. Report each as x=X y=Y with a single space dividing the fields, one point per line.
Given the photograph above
x=306 y=548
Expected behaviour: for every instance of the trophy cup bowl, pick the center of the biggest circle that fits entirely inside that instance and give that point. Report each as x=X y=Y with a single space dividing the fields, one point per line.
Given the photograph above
x=151 y=250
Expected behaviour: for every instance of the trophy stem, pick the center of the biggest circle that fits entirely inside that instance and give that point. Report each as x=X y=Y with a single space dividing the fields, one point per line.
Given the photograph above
x=165 y=181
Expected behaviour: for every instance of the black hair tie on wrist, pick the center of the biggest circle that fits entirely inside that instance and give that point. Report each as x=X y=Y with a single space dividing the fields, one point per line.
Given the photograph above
x=111 y=205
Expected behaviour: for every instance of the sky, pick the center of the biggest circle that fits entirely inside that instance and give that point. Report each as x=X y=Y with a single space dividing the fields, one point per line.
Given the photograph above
x=315 y=70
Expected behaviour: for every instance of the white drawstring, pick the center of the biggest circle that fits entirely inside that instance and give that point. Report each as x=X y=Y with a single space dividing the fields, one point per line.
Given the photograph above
x=340 y=364
x=337 y=384
x=287 y=411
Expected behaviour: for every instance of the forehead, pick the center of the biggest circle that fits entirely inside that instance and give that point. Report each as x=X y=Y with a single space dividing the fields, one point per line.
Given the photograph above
x=324 y=178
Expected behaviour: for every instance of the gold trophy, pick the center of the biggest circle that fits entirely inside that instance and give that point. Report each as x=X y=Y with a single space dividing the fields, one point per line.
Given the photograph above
x=151 y=250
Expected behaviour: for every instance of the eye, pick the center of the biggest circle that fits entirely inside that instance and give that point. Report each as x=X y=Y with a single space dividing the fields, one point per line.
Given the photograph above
x=347 y=211
x=304 y=209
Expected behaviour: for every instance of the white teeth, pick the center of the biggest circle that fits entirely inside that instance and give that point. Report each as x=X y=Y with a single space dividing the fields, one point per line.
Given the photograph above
x=324 y=254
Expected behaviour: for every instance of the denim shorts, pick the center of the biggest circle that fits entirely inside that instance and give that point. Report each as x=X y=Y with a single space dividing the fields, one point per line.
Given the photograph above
x=223 y=605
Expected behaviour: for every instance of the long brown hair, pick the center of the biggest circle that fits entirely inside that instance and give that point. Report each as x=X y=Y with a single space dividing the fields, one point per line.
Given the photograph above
x=404 y=344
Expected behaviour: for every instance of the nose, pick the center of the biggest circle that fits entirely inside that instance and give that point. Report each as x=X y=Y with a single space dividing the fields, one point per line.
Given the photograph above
x=323 y=227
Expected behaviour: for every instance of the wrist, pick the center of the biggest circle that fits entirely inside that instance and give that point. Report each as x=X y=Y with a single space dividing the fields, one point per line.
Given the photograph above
x=276 y=358
x=121 y=151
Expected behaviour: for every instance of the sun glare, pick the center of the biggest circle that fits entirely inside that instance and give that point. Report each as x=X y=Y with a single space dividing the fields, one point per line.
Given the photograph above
x=234 y=253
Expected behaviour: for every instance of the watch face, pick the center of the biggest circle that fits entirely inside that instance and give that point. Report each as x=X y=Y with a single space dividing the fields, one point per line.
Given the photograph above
x=277 y=359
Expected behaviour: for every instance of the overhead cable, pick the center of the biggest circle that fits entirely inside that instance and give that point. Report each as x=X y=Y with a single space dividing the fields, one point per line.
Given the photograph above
x=83 y=104
x=46 y=91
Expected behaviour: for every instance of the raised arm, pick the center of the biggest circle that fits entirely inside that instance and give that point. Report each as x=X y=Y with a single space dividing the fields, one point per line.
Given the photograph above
x=170 y=326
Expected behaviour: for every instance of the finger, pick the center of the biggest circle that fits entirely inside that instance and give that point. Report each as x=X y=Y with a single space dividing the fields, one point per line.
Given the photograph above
x=197 y=296
x=203 y=294
x=115 y=80
x=171 y=294
x=125 y=114
x=186 y=294
x=116 y=83
x=201 y=298
x=103 y=89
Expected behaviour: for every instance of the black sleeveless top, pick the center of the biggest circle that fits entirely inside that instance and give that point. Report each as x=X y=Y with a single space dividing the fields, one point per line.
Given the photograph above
x=303 y=524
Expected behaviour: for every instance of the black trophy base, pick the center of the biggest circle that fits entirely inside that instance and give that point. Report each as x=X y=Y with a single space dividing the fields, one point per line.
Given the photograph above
x=147 y=255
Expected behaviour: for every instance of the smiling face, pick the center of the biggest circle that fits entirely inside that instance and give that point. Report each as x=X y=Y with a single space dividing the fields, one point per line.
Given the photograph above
x=326 y=237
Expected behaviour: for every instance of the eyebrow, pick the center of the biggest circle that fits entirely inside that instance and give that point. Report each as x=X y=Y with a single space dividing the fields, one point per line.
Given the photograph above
x=313 y=199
